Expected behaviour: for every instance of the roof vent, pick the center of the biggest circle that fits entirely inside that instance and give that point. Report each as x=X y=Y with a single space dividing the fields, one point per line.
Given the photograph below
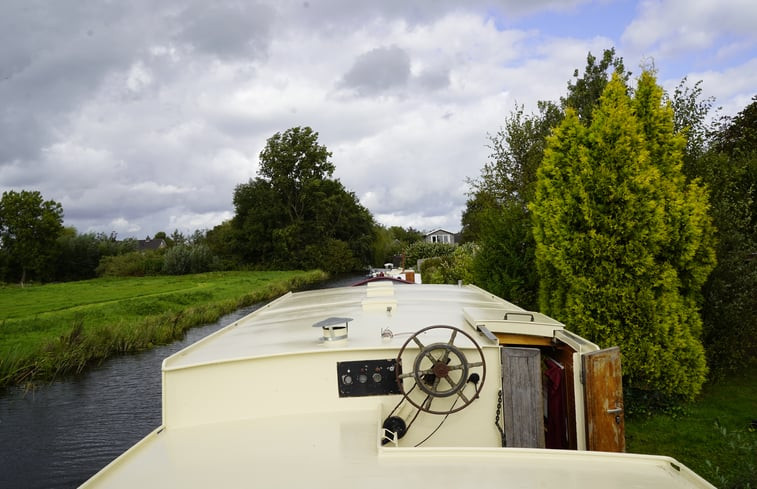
x=334 y=328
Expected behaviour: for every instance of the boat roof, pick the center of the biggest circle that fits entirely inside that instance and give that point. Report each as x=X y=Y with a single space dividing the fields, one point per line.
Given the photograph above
x=341 y=452
x=285 y=326
x=257 y=404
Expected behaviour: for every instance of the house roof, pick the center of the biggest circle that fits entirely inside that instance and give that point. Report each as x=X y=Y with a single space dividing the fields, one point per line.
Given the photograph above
x=150 y=244
x=439 y=230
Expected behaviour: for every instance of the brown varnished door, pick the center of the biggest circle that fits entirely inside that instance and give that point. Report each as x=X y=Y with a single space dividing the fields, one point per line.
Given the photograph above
x=605 y=422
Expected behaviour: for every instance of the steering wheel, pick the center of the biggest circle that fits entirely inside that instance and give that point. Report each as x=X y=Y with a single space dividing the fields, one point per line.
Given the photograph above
x=441 y=370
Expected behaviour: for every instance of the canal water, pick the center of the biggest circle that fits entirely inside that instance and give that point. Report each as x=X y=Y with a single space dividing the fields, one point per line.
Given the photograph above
x=60 y=434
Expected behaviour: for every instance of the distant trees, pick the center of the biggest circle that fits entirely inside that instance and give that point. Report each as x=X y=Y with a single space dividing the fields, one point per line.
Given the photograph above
x=623 y=243
x=294 y=215
x=29 y=229
x=79 y=255
x=131 y=264
x=181 y=256
x=34 y=245
x=392 y=241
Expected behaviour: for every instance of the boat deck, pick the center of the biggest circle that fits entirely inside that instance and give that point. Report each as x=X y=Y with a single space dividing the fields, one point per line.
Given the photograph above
x=343 y=451
x=264 y=402
x=286 y=325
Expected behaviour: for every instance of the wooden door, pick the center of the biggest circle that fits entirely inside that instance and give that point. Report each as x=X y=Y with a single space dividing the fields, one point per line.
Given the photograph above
x=605 y=423
x=522 y=402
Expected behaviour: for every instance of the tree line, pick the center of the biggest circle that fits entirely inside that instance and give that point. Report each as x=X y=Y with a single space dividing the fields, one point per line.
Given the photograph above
x=293 y=215
x=36 y=247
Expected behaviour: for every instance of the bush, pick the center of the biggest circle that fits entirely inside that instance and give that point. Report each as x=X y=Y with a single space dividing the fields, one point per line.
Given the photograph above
x=431 y=270
x=450 y=269
x=133 y=264
x=333 y=256
x=422 y=250
x=178 y=260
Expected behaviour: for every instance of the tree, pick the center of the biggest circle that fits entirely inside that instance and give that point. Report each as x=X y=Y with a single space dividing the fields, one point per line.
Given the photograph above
x=584 y=94
x=258 y=213
x=78 y=255
x=186 y=258
x=290 y=163
x=690 y=119
x=504 y=264
x=421 y=250
x=729 y=168
x=29 y=228
x=497 y=215
x=178 y=238
x=406 y=236
x=623 y=243
x=223 y=243
x=293 y=215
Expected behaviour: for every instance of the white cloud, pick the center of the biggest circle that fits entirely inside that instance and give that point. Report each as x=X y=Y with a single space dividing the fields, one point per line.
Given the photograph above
x=672 y=27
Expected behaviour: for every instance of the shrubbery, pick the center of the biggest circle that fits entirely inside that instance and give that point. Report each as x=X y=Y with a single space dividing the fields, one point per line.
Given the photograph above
x=132 y=264
x=421 y=250
x=183 y=259
x=451 y=268
x=177 y=260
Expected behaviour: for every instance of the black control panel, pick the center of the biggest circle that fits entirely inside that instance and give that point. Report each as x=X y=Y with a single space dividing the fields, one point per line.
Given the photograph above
x=367 y=378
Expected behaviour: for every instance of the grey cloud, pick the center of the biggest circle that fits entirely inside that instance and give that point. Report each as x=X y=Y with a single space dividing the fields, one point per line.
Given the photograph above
x=228 y=30
x=53 y=56
x=378 y=71
x=434 y=78
x=332 y=15
x=387 y=70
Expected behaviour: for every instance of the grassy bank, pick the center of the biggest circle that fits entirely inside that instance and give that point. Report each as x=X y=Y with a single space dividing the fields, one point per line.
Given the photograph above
x=714 y=436
x=51 y=330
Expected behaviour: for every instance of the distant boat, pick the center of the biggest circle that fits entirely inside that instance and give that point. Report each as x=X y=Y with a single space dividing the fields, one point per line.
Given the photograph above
x=392 y=386
x=390 y=272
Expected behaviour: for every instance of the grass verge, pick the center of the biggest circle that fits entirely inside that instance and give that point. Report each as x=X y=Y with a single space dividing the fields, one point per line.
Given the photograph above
x=715 y=436
x=51 y=330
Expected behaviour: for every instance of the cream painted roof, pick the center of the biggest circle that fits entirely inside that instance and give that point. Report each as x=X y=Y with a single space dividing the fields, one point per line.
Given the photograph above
x=257 y=404
x=286 y=325
x=341 y=451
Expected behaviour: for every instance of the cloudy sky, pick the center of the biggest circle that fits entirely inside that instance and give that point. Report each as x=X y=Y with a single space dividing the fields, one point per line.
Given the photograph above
x=141 y=116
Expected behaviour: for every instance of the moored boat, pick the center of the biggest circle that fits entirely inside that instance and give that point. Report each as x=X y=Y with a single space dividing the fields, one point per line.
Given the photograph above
x=392 y=385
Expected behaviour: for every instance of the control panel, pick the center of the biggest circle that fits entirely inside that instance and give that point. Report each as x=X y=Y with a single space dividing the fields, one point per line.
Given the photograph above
x=367 y=378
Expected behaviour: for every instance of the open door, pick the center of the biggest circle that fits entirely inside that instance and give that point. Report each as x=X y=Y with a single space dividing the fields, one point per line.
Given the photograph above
x=605 y=422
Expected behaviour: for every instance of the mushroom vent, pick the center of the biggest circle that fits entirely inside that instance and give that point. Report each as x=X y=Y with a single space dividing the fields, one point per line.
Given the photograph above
x=334 y=328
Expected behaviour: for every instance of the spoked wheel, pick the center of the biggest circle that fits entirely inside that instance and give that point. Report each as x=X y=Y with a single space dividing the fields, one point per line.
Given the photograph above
x=441 y=370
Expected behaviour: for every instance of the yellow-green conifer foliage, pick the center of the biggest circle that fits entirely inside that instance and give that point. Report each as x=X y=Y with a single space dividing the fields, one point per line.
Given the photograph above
x=623 y=243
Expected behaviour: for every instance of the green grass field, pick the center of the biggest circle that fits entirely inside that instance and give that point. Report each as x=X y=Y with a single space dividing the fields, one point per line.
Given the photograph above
x=55 y=329
x=714 y=436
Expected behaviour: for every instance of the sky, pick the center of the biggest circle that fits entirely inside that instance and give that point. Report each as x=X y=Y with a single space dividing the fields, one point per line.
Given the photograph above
x=141 y=116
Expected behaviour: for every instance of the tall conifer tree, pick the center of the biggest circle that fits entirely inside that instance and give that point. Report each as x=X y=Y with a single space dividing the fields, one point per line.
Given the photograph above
x=623 y=244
